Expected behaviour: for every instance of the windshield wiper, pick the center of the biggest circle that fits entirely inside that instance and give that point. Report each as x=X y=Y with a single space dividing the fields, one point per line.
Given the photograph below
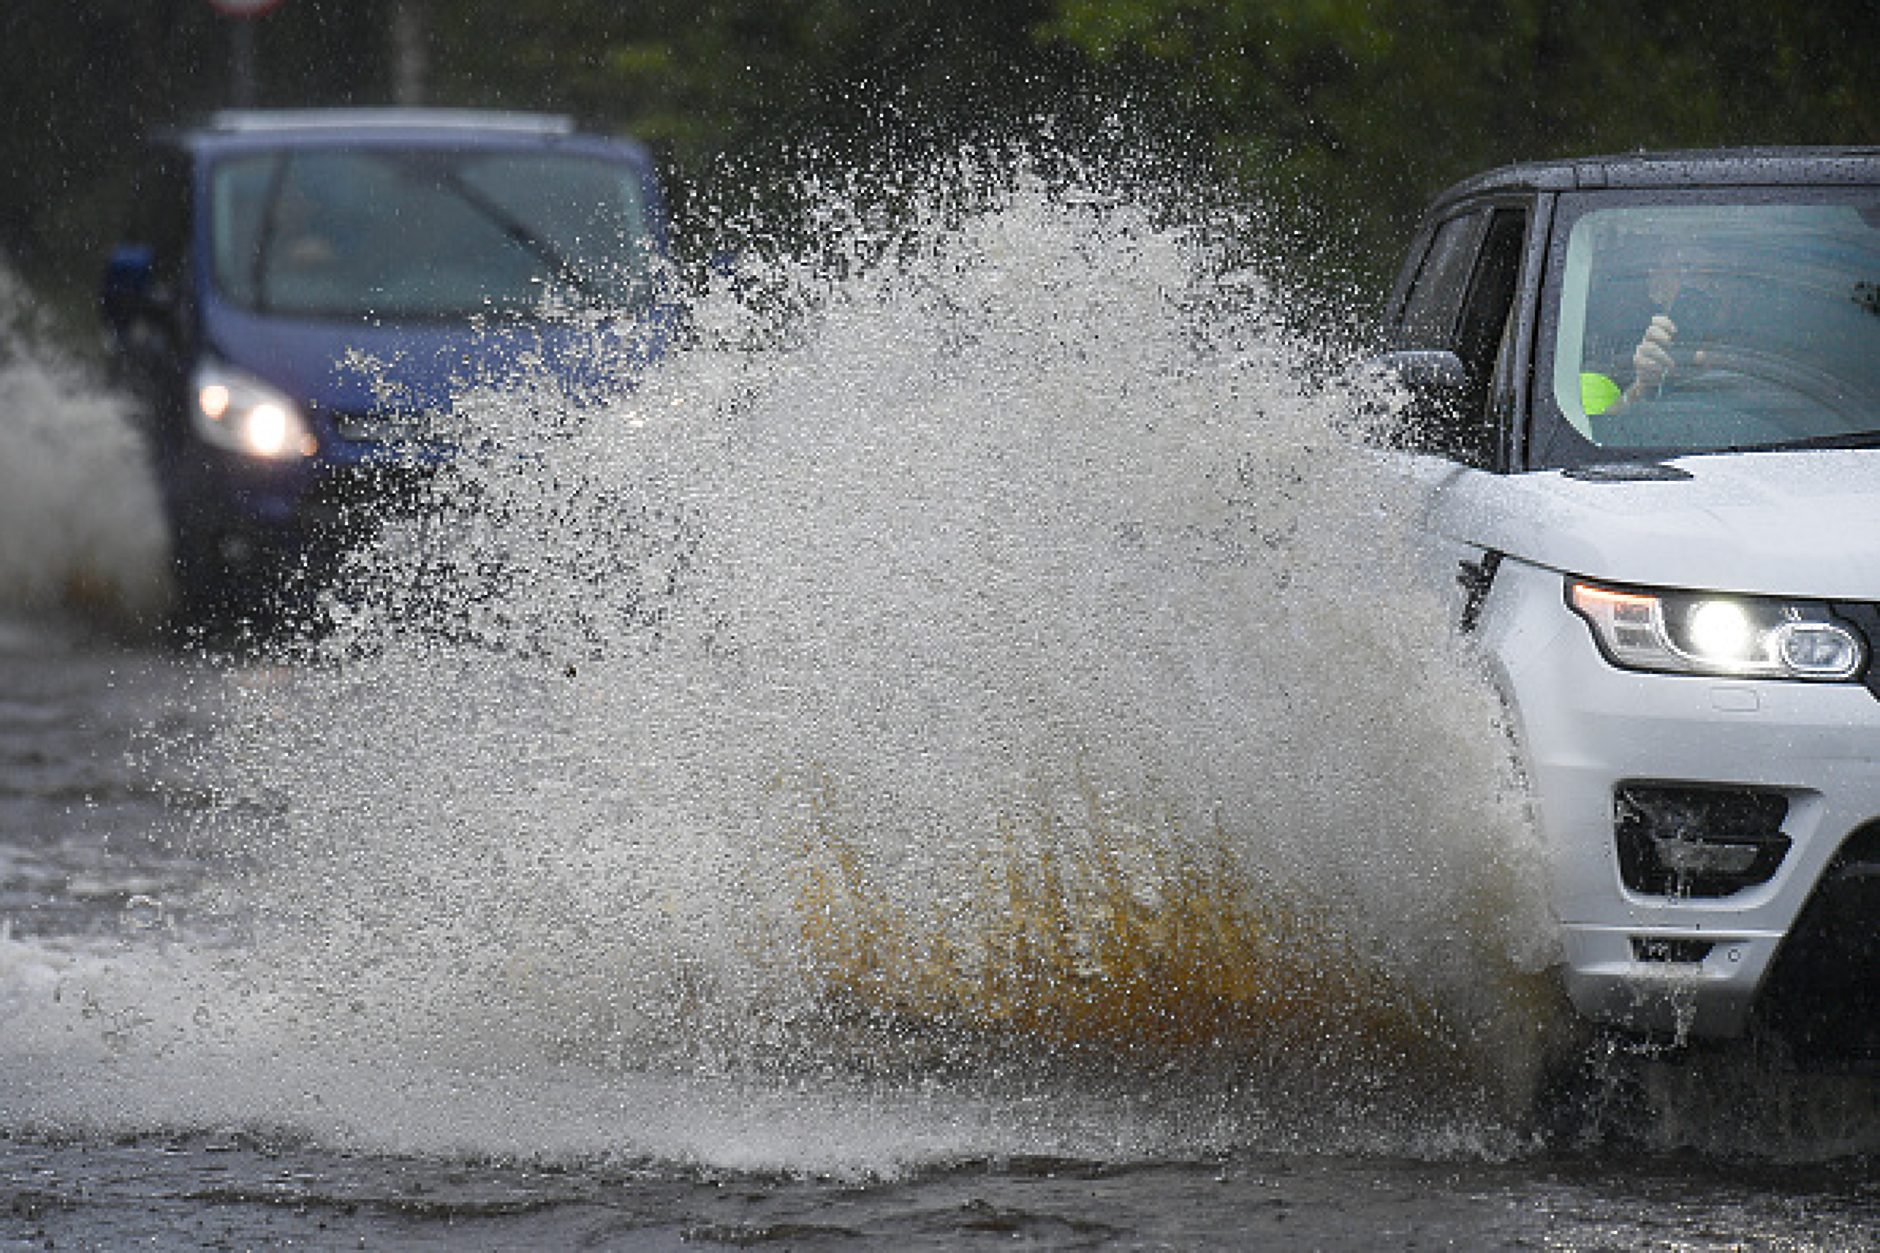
x=527 y=237
x=1840 y=439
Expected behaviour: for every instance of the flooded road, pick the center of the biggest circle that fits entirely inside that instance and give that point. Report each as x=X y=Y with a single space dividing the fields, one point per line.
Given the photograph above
x=962 y=760
x=168 y=1142
x=213 y=1194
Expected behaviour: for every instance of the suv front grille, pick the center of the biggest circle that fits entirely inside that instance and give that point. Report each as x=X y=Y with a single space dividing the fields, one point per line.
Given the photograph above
x=1867 y=618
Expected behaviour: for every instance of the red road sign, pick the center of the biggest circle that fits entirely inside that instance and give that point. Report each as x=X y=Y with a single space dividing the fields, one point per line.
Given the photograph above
x=242 y=8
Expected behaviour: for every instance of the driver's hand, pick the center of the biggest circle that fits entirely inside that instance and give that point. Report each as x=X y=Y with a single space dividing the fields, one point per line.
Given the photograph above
x=1651 y=360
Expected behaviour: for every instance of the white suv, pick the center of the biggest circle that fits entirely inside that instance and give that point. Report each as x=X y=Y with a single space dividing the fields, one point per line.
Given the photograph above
x=1645 y=406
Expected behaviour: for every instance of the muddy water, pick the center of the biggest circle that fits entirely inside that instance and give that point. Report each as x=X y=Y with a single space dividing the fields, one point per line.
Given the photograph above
x=957 y=757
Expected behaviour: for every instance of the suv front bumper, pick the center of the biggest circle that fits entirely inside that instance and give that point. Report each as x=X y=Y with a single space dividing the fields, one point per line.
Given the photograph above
x=1667 y=960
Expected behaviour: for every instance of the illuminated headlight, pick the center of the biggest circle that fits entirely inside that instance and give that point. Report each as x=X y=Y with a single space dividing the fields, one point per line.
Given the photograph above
x=1748 y=637
x=239 y=412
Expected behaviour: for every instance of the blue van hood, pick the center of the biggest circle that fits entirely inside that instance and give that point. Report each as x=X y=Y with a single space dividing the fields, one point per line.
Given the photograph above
x=345 y=370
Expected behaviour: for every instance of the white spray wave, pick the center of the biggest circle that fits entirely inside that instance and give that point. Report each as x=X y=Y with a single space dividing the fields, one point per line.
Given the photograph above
x=1004 y=648
x=80 y=527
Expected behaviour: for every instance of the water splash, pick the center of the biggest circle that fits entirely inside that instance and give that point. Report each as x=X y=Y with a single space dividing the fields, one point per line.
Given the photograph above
x=976 y=679
x=80 y=526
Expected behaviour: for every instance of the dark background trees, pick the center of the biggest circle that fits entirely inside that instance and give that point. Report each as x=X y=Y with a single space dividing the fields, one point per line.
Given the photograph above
x=1340 y=116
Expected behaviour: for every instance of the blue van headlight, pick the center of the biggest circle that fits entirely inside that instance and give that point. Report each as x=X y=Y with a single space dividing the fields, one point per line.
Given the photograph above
x=1750 y=637
x=237 y=411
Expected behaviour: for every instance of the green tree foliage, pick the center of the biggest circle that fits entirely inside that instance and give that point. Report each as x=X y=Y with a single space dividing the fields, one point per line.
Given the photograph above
x=734 y=93
x=1342 y=116
x=1362 y=108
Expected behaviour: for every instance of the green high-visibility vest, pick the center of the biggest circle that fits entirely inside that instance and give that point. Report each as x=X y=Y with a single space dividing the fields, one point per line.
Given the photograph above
x=1597 y=393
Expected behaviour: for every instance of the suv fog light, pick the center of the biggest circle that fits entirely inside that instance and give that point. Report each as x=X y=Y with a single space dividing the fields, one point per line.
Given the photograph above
x=1697 y=841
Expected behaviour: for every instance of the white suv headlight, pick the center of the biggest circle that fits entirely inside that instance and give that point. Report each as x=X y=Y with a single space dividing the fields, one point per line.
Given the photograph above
x=237 y=411
x=1750 y=637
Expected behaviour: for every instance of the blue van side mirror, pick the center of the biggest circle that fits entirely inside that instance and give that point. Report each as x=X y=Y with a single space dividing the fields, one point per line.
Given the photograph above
x=129 y=284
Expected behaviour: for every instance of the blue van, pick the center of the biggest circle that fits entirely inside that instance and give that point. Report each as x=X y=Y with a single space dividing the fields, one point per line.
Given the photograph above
x=300 y=294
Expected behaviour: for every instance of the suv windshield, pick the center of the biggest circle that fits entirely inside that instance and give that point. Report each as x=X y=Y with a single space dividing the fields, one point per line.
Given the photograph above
x=425 y=234
x=1709 y=323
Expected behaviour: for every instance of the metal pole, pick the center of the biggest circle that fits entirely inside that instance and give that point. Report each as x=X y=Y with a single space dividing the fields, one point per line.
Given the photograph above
x=409 y=59
x=241 y=16
x=242 y=50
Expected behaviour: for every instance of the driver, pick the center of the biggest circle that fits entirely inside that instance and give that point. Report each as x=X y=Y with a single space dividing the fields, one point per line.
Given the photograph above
x=1682 y=290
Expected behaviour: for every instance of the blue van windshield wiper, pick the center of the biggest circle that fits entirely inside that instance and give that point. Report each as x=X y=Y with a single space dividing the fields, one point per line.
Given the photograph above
x=521 y=233
x=264 y=243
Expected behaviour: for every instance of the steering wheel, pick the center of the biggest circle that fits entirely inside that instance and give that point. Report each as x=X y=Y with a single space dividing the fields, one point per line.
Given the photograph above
x=1733 y=369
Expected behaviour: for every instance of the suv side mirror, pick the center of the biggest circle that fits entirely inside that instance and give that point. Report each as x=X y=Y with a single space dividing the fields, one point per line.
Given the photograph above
x=1436 y=380
x=1436 y=389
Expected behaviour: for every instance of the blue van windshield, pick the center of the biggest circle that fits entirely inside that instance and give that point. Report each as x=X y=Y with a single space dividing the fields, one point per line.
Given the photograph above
x=1713 y=322
x=427 y=234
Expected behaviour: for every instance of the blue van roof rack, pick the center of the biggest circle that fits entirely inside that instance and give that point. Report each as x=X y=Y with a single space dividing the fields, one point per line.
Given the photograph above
x=249 y=120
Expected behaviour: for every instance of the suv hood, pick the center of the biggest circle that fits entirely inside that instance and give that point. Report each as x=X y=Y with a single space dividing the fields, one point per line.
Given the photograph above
x=1803 y=524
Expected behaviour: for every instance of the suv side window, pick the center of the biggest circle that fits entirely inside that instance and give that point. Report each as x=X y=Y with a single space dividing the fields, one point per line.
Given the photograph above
x=1491 y=293
x=1429 y=312
x=1461 y=302
x=1474 y=436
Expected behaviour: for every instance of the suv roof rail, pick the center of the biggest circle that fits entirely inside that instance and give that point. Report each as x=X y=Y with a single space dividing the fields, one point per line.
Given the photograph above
x=319 y=119
x=1723 y=167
